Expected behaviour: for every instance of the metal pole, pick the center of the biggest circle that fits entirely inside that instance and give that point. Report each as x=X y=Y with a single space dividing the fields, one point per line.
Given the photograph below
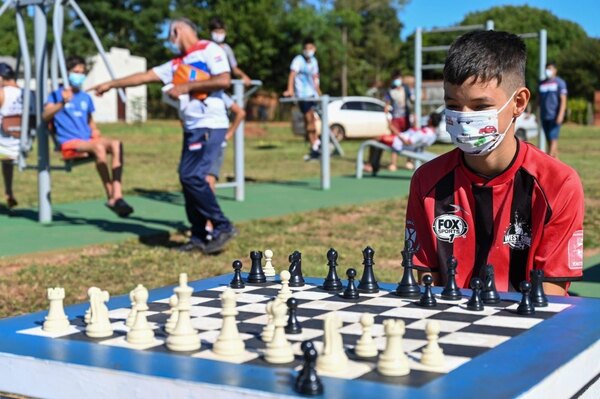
x=238 y=96
x=24 y=141
x=489 y=25
x=325 y=162
x=542 y=76
x=58 y=55
x=4 y=6
x=418 y=76
x=41 y=76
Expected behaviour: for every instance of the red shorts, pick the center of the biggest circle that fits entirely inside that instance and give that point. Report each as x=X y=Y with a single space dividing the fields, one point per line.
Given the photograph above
x=69 y=149
x=400 y=123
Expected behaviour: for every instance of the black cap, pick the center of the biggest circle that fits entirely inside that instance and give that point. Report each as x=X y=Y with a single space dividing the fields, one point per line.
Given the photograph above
x=6 y=71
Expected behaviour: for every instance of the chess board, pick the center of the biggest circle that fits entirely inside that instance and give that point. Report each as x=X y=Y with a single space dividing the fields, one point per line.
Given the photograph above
x=478 y=346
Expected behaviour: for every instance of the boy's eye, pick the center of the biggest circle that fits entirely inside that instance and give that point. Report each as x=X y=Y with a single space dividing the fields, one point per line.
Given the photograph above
x=483 y=107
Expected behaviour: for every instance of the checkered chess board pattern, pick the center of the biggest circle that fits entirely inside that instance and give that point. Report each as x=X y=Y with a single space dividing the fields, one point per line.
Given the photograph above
x=464 y=334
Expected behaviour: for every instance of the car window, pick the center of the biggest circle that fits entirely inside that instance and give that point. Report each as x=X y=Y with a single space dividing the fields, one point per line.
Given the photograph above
x=367 y=106
x=353 y=106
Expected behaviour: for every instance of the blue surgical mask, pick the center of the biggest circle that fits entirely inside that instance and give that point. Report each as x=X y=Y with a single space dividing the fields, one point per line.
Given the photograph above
x=76 y=79
x=397 y=82
x=173 y=48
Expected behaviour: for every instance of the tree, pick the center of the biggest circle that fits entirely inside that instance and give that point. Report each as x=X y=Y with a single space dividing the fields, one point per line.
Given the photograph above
x=579 y=66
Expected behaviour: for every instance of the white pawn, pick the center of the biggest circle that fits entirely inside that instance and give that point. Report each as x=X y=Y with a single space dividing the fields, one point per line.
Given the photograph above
x=365 y=346
x=229 y=343
x=433 y=355
x=393 y=361
x=99 y=323
x=333 y=359
x=184 y=337
x=269 y=270
x=279 y=350
x=269 y=328
x=172 y=321
x=285 y=292
x=57 y=320
x=132 y=312
x=140 y=333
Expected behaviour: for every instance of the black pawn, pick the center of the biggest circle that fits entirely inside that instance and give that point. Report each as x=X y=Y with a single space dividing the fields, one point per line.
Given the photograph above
x=451 y=291
x=475 y=303
x=293 y=326
x=305 y=346
x=408 y=287
x=427 y=299
x=537 y=295
x=489 y=294
x=332 y=281
x=350 y=292
x=368 y=283
x=308 y=382
x=256 y=275
x=236 y=281
x=296 y=279
x=525 y=307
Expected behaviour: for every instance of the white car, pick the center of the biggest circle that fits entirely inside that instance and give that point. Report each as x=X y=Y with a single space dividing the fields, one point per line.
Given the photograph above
x=351 y=117
x=526 y=126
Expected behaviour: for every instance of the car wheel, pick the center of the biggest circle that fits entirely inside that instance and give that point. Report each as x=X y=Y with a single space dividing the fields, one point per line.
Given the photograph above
x=338 y=132
x=522 y=134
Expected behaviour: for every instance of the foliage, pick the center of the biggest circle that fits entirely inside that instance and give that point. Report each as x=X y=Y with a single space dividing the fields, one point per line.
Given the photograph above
x=577 y=109
x=579 y=66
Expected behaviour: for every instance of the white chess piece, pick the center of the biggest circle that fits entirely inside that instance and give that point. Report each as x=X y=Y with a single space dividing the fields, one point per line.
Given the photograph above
x=229 y=343
x=269 y=328
x=88 y=313
x=393 y=361
x=99 y=325
x=433 y=355
x=269 y=270
x=131 y=316
x=56 y=320
x=365 y=346
x=333 y=359
x=140 y=333
x=172 y=321
x=285 y=292
x=184 y=337
x=279 y=350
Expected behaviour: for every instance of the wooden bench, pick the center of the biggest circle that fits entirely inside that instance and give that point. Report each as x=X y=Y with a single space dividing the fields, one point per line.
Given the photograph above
x=420 y=156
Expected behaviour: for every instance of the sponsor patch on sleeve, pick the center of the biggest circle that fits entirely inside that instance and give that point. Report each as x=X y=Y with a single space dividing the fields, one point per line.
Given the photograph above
x=576 y=251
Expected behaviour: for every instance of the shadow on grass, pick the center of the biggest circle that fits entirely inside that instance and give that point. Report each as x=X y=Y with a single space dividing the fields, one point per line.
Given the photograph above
x=160 y=196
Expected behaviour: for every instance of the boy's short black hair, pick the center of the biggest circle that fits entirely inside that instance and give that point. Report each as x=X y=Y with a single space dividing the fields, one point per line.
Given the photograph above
x=185 y=21
x=7 y=72
x=550 y=63
x=397 y=73
x=487 y=55
x=216 y=23
x=435 y=119
x=308 y=40
x=73 y=61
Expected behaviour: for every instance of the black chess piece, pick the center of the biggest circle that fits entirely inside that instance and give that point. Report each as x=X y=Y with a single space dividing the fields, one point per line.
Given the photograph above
x=525 y=306
x=368 y=283
x=408 y=287
x=476 y=303
x=293 y=326
x=296 y=278
x=451 y=291
x=256 y=275
x=350 y=292
x=537 y=295
x=332 y=281
x=427 y=299
x=308 y=381
x=237 y=281
x=489 y=295
x=305 y=346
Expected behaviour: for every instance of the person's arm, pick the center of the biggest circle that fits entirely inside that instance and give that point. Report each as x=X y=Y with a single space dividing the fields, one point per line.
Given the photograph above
x=1 y=96
x=93 y=126
x=237 y=72
x=561 y=111
x=240 y=114
x=51 y=109
x=214 y=83
x=289 y=92
x=136 y=79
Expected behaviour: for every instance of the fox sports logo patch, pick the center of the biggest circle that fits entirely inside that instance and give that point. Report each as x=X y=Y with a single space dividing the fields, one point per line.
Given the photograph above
x=449 y=227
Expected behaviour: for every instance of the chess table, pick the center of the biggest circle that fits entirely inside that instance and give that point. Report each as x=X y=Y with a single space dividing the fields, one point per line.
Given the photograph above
x=554 y=354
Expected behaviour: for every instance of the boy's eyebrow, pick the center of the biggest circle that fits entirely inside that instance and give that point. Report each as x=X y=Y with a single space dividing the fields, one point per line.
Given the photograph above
x=483 y=99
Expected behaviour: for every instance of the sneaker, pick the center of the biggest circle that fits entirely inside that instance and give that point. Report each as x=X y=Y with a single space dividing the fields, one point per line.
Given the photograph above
x=313 y=155
x=121 y=208
x=193 y=245
x=220 y=239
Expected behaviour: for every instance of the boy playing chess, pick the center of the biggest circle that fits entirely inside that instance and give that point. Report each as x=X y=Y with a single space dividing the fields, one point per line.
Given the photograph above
x=494 y=199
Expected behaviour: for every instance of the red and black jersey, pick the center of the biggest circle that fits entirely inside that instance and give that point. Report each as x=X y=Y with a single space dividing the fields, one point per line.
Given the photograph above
x=528 y=217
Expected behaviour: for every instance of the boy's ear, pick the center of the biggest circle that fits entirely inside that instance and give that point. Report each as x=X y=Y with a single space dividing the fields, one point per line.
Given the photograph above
x=522 y=97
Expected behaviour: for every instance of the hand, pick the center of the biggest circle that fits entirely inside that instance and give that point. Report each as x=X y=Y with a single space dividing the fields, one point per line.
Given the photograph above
x=101 y=88
x=67 y=94
x=247 y=81
x=229 y=135
x=288 y=93
x=560 y=119
x=178 y=90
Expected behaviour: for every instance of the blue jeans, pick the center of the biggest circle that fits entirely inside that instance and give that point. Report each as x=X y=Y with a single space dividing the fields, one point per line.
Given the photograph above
x=201 y=147
x=551 y=129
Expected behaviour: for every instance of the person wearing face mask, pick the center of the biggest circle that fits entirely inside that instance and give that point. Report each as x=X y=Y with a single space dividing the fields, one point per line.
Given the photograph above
x=553 y=104
x=303 y=81
x=494 y=199
x=397 y=102
x=218 y=34
x=69 y=111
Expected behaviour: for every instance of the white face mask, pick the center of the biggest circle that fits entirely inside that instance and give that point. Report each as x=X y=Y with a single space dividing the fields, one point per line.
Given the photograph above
x=476 y=132
x=308 y=53
x=397 y=82
x=218 y=37
x=549 y=73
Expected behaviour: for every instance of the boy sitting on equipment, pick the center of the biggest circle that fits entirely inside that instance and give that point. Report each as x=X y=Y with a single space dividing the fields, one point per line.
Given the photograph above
x=495 y=199
x=70 y=111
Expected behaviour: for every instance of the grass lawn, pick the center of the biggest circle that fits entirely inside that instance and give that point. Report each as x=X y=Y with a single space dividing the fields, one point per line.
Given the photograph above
x=272 y=153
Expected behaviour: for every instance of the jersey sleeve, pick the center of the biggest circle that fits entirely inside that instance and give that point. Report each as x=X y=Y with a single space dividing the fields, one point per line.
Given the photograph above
x=560 y=253
x=296 y=64
x=164 y=72
x=418 y=232
x=230 y=56
x=562 y=87
x=54 y=98
x=216 y=60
